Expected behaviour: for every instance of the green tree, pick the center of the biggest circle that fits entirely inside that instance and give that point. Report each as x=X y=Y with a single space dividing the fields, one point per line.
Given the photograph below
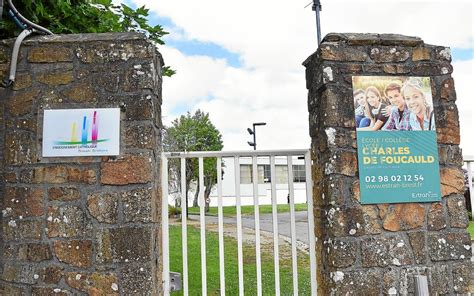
x=193 y=133
x=83 y=16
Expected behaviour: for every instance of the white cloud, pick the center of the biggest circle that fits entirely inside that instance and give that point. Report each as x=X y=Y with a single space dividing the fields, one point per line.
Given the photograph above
x=264 y=32
x=195 y=78
x=239 y=98
x=463 y=75
x=284 y=130
x=272 y=38
x=435 y=21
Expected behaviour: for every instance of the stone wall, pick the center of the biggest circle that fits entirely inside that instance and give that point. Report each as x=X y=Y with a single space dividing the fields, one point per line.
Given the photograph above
x=376 y=249
x=90 y=225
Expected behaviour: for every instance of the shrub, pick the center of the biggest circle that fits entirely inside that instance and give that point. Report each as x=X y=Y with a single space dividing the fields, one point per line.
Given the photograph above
x=174 y=211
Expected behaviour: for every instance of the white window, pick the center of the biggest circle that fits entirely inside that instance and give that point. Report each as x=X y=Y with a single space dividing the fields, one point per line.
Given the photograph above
x=299 y=174
x=281 y=174
x=264 y=175
x=245 y=174
x=267 y=178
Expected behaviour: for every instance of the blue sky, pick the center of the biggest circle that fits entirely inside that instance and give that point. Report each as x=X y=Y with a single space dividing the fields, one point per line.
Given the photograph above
x=462 y=54
x=193 y=47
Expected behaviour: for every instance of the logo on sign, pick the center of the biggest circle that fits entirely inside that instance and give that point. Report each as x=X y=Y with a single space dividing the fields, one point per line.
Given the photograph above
x=89 y=134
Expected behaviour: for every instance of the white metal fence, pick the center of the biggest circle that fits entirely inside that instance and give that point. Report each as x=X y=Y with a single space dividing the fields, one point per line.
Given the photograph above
x=468 y=160
x=289 y=154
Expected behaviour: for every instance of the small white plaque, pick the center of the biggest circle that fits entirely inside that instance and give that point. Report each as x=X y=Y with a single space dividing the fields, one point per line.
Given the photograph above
x=81 y=132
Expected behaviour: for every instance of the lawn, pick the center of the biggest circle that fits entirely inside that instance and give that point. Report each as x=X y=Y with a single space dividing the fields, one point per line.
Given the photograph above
x=231 y=267
x=231 y=211
x=471 y=229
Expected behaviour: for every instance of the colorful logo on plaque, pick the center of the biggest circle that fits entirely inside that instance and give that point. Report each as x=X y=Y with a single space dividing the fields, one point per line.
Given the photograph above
x=89 y=132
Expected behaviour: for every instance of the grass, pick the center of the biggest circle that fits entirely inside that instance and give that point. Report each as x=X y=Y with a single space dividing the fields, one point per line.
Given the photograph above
x=470 y=228
x=231 y=211
x=231 y=266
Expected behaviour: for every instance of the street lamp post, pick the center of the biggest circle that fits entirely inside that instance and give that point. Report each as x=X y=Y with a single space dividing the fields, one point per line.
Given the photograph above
x=253 y=132
x=317 y=8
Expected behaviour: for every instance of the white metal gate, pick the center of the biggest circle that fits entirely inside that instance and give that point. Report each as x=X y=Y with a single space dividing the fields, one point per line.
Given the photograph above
x=254 y=155
x=468 y=160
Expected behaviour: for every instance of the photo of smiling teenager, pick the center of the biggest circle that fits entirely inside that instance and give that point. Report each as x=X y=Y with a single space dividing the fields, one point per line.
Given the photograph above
x=374 y=105
x=359 y=103
x=421 y=117
x=399 y=113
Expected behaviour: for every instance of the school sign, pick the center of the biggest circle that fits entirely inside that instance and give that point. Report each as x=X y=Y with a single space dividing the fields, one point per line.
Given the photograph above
x=396 y=140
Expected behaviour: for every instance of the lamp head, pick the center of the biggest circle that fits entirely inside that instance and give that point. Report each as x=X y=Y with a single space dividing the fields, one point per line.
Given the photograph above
x=250 y=131
x=251 y=143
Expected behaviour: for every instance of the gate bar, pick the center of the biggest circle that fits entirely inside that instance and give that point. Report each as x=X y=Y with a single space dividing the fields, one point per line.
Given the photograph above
x=202 y=217
x=293 y=226
x=276 y=252
x=294 y=152
x=184 y=229
x=220 y=217
x=165 y=230
x=239 y=225
x=469 y=176
x=257 y=224
x=312 y=240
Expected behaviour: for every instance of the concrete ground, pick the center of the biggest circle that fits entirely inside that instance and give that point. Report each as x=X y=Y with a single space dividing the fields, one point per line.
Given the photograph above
x=266 y=224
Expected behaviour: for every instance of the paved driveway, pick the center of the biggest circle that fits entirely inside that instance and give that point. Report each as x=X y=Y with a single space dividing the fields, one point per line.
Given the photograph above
x=266 y=223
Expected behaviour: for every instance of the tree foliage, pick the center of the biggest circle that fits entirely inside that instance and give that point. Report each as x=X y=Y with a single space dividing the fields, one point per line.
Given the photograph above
x=194 y=133
x=83 y=16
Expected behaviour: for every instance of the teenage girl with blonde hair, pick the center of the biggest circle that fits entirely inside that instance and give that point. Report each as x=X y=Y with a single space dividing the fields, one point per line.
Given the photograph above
x=422 y=116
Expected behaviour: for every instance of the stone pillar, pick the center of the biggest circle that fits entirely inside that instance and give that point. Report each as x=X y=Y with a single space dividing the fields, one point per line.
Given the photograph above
x=81 y=225
x=377 y=249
